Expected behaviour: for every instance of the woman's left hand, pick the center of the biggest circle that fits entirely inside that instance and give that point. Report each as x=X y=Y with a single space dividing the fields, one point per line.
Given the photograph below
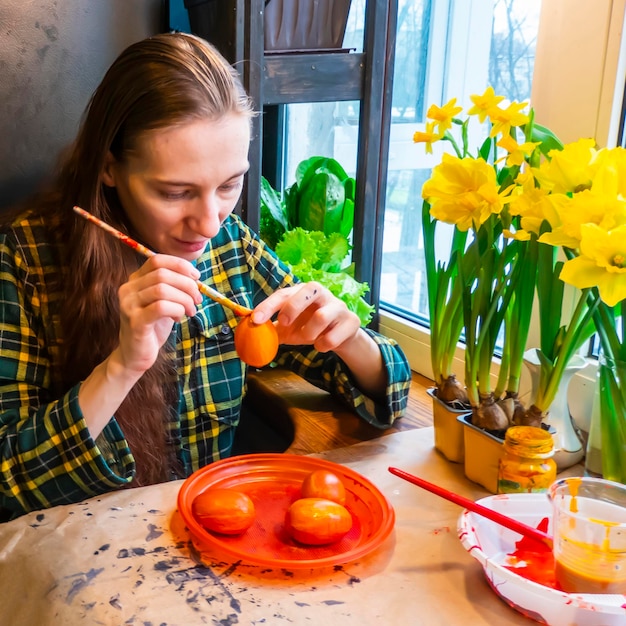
x=308 y=314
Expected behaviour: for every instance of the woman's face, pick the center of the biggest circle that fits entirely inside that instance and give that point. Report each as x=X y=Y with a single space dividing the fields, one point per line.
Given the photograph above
x=181 y=183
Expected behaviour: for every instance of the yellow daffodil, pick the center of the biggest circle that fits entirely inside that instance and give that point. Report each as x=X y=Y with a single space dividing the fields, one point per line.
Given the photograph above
x=585 y=207
x=601 y=264
x=427 y=136
x=517 y=153
x=569 y=170
x=483 y=104
x=533 y=205
x=525 y=210
x=503 y=120
x=609 y=174
x=442 y=116
x=463 y=192
x=518 y=235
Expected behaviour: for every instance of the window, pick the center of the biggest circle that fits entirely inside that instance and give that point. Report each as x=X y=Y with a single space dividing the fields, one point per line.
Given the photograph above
x=472 y=45
x=573 y=92
x=448 y=48
x=444 y=49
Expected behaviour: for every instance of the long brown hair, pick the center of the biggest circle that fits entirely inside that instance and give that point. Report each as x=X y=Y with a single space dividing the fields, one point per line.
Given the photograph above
x=165 y=80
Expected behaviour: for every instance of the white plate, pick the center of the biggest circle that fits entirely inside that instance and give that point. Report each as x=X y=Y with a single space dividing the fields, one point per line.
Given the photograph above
x=490 y=544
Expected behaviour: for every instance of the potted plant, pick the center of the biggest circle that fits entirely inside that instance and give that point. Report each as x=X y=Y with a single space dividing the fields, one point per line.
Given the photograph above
x=289 y=25
x=305 y=24
x=309 y=225
x=589 y=226
x=495 y=196
x=449 y=397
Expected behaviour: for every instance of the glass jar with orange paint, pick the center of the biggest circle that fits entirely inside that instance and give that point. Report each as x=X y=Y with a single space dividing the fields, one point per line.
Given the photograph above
x=526 y=464
x=589 y=530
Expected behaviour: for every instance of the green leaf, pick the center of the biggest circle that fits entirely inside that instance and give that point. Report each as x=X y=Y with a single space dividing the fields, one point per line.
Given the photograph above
x=290 y=197
x=350 y=187
x=549 y=141
x=321 y=202
x=307 y=168
x=322 y=198
x=271 y=199
x=333 y=250
x=485 y=149
x=347 y=217
x=273 y=216
x=298 y=246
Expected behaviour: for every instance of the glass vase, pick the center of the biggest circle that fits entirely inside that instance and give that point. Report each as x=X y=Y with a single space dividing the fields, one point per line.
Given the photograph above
x=606 y=446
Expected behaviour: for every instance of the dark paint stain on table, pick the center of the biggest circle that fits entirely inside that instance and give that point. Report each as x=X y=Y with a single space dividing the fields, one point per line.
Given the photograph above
x=216 y=588
x=40 y=518
x=114 y=601
x=81 y=580
x=102 y=548
x=231 y=569
x=153 y=532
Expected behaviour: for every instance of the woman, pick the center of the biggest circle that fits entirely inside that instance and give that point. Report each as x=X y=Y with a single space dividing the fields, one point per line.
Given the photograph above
x=115 y=371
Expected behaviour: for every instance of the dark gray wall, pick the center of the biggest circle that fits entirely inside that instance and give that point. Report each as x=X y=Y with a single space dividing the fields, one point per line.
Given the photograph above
x=53 y=53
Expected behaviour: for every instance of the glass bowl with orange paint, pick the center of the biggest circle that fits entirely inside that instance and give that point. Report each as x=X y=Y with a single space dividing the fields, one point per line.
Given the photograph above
x=589 y=530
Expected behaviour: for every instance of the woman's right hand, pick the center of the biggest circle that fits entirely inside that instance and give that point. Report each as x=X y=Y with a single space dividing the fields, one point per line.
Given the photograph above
x=156 y=296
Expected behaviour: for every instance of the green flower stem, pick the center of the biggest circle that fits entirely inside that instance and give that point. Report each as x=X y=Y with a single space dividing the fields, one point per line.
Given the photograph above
x=448 y=137
x=550 y=289
x=444 y=297
x=622 y=313
x=573 y=339
x=604 y=321
x=505 y=362
x=517 y=319
x=605 y=327
x=612 y=424
x=484 y=310
x=449 y=333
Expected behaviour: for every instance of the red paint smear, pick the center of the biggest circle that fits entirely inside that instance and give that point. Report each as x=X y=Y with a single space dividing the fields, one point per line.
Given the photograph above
x=537 y=558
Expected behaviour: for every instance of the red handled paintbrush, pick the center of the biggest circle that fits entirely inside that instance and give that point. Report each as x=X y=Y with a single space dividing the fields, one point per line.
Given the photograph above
x=470 y=505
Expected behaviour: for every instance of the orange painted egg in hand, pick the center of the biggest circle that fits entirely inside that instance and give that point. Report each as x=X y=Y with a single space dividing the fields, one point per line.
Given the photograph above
x=224 y=511
x=324 y=484
x=256 y=344
x=316 y=521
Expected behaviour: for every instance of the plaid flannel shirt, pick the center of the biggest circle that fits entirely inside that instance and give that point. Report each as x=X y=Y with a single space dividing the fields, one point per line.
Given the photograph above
x=47 y=456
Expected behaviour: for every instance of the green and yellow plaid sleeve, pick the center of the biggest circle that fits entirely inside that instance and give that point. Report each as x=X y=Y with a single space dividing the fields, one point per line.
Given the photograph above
x=327 y=371
x=47 y=456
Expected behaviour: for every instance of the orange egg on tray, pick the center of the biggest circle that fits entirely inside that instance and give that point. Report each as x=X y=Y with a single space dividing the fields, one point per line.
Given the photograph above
x=317 y=522
x=224 y=511
x=324 y=484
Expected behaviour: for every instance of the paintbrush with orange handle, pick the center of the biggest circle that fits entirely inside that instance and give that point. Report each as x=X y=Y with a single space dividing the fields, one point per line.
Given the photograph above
x=215 y=295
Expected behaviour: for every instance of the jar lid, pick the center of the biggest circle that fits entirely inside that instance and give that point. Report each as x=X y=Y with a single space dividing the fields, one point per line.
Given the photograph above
x=529 y=441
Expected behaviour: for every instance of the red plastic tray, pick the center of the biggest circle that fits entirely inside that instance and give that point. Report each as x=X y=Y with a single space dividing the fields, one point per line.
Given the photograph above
x=273 y=482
